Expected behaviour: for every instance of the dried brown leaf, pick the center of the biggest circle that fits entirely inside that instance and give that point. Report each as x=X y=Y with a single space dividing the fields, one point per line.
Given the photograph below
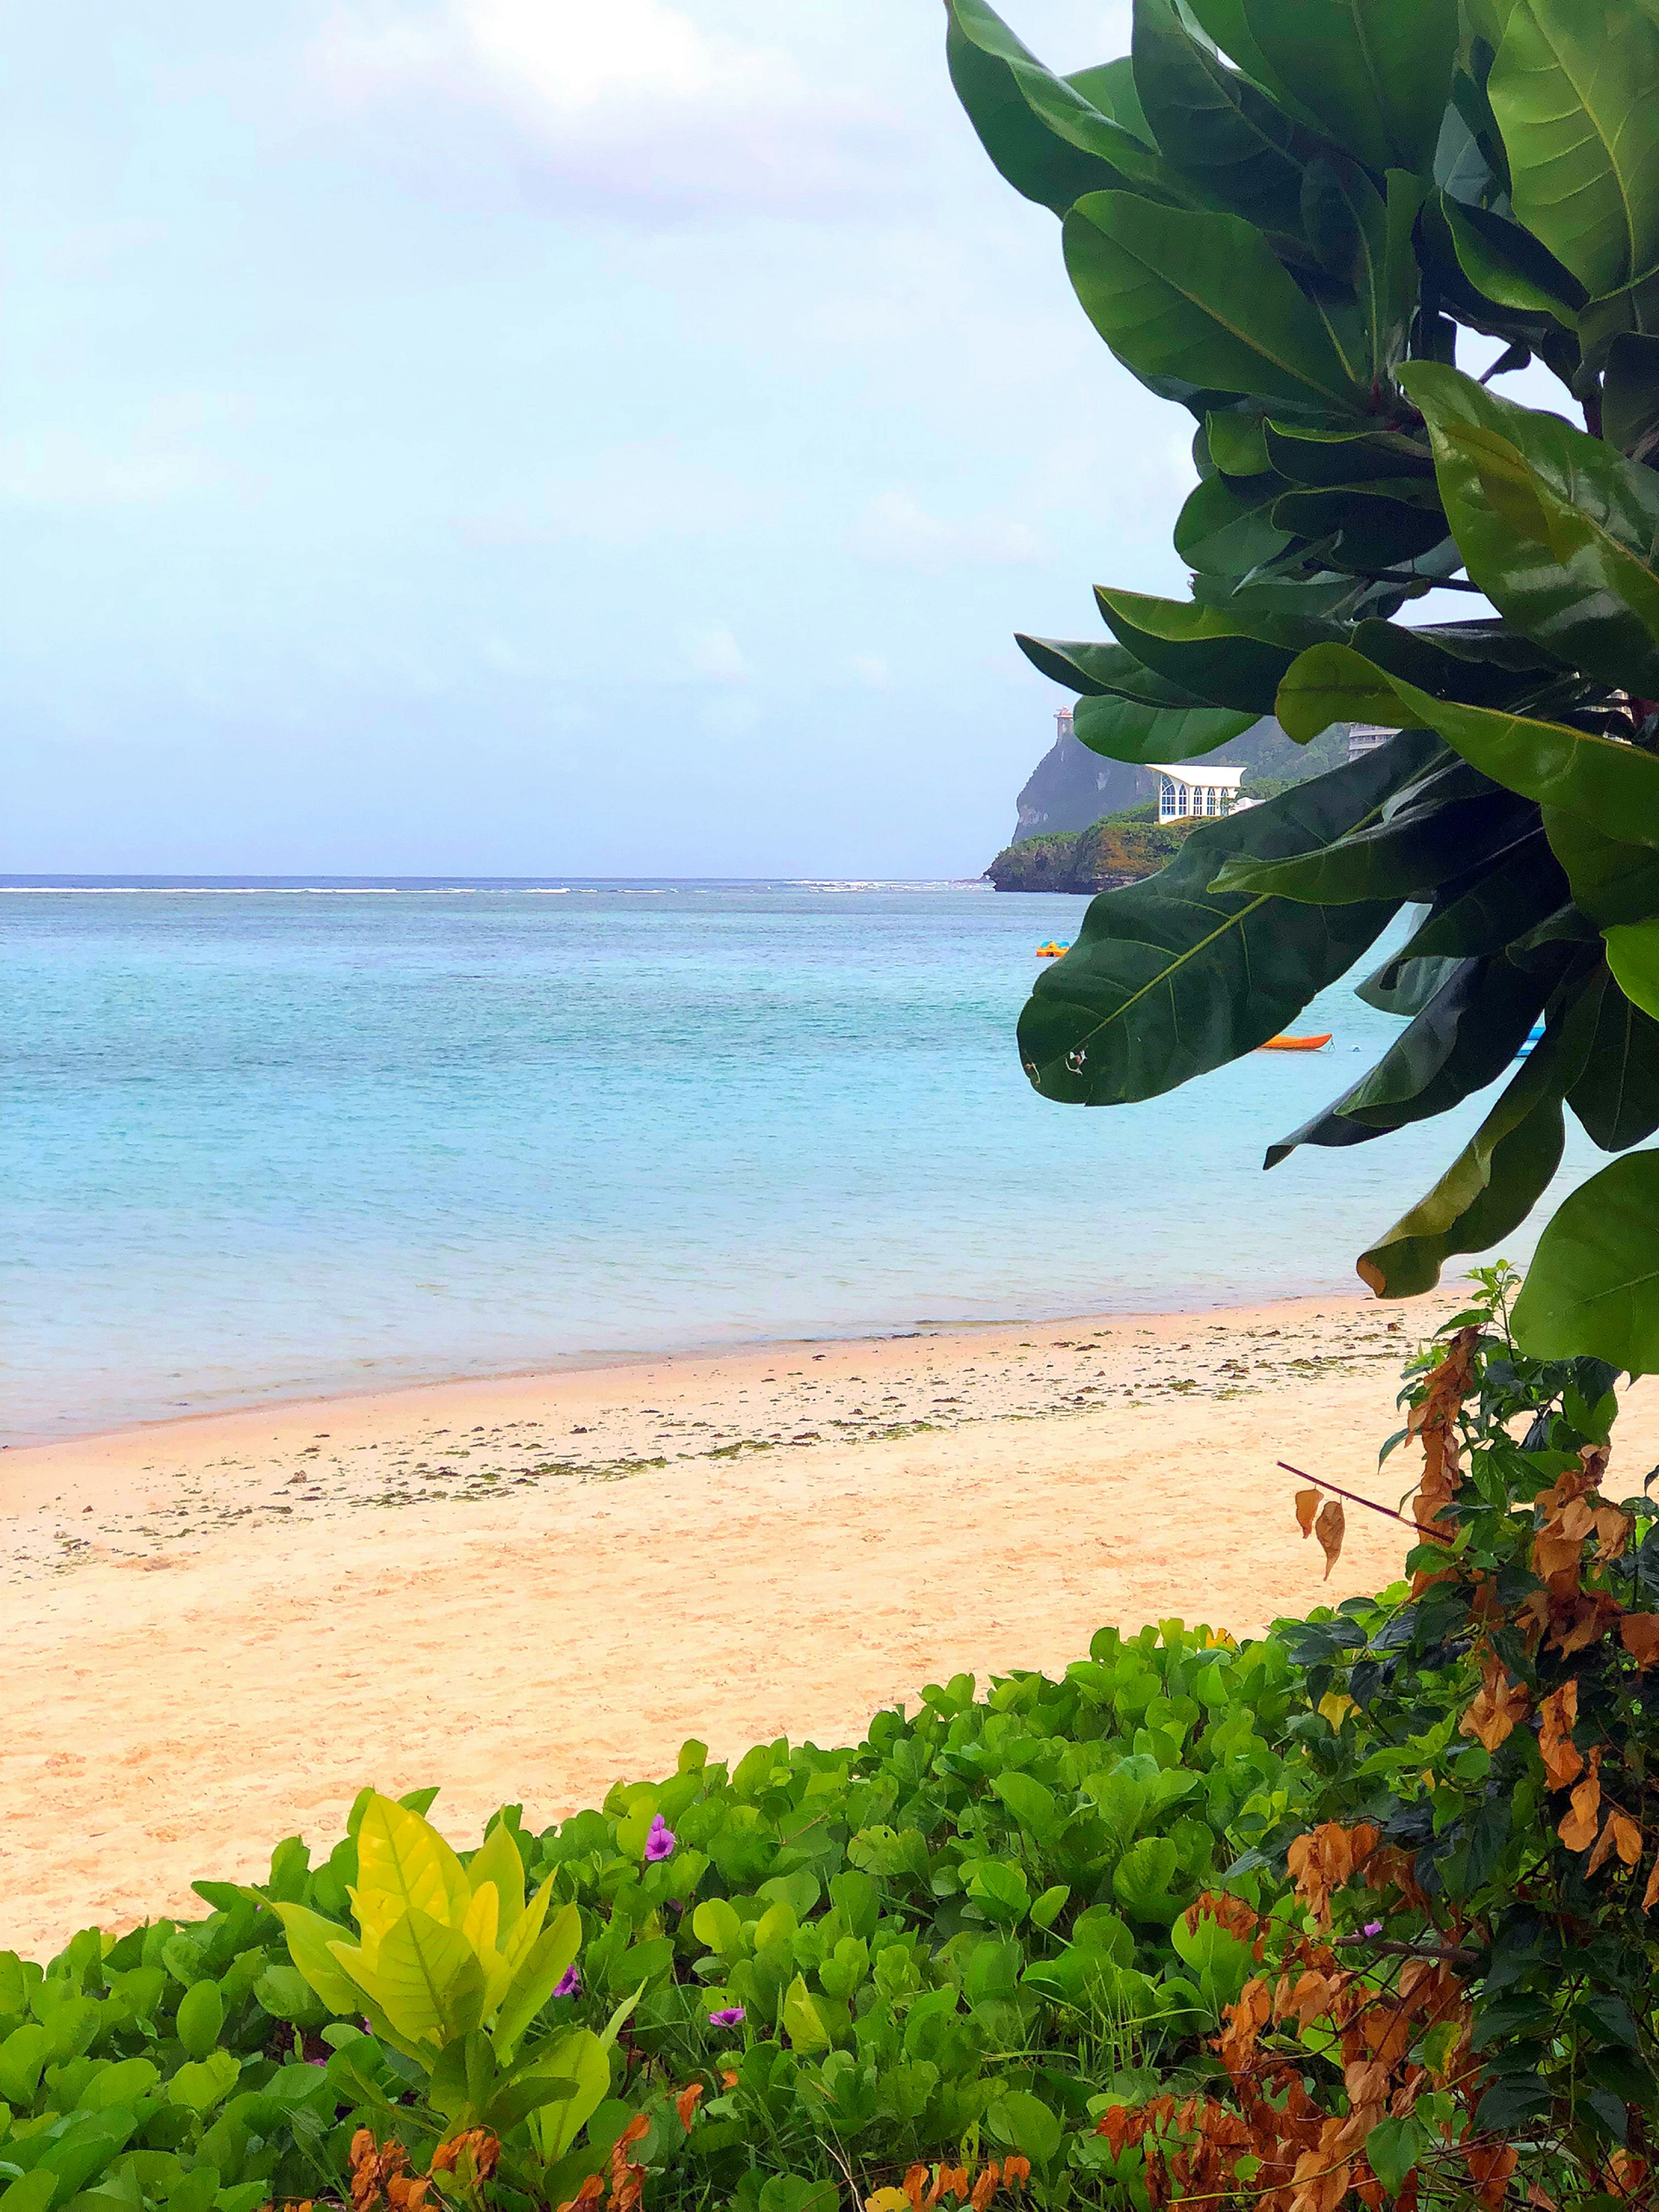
x=1563 y=1761
x=1307 y=1504
x=1329 y=1529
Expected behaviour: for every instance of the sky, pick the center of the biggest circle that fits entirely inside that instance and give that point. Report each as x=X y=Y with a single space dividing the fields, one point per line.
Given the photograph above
x=517 y=437
x=514 y=437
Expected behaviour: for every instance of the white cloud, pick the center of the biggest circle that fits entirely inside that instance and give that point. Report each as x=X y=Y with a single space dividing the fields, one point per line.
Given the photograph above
x=870 y=668
x=714 y=655
x=896 y=530
x=631 y=108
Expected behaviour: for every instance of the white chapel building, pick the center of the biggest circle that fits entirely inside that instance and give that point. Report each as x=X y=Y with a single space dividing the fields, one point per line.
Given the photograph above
x=1194 y=788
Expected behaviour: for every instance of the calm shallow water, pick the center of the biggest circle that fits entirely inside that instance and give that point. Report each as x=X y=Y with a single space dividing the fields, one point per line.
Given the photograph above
x=276 y=1140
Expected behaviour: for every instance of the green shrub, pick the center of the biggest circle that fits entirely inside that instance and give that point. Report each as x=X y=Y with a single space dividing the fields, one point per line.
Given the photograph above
x=963 y=1935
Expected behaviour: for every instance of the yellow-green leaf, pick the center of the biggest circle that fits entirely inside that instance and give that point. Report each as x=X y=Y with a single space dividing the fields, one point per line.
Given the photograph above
x=309 y=1941
x=403 y=1856
x=425 y=1977
x=497 y=1859
x=537 y=1977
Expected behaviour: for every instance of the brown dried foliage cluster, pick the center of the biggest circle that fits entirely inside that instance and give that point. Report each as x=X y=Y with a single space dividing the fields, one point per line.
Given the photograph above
x=379 y=2171
x=1272 y=2142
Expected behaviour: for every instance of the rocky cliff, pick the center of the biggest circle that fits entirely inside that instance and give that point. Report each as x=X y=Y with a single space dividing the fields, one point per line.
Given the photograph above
x=1072 y=793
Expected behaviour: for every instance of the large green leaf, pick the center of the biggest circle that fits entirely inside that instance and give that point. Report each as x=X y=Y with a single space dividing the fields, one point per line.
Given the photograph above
x=1332 y=682
x=1617 y=1096
x=1463 y=1039
x=1508 y=264
x=1574 y=89
x=1503 y=902
x=1224 y=21
x=1167 y=979
x=1593 y=1286
x=1226 y=533
x=1426 y=841
x=1614 y=786
x=1611 y=881
x=1498 y=1176
x=425 y=1977
x=1633 y=956
x=1048 y=140
x=1363 y=241
x=1630 y=395
x=1557 y=529
x=1192 y=298
x=1127 y=730
x=1233 y=655
x=1376 y=73
x=1375 y=525
x=1334 y=458
x=1099 y=671
x=1213 y=123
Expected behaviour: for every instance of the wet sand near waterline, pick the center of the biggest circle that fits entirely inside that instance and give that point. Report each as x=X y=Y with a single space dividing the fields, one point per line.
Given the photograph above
x=214 y=1631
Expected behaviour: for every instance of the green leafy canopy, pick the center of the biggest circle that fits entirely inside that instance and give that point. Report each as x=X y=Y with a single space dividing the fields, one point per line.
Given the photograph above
x=1285 y=218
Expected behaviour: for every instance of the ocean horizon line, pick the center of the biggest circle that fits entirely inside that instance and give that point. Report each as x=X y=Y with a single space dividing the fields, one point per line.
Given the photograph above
x=324 y=885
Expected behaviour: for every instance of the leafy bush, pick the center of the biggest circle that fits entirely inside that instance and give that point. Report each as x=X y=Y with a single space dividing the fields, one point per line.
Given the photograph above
x=1279 y=216
x=955 y=1941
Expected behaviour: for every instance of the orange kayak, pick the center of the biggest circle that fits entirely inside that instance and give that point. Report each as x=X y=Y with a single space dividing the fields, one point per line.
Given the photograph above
x=1295 y=1044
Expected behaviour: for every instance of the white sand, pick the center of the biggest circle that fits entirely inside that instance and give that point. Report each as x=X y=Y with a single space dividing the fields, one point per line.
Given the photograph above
x=214 y=1630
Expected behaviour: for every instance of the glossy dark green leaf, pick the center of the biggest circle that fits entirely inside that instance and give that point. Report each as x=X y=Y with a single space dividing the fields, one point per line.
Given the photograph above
x=1225 y=22
x=1633 y=956
x=1336 y=458
x=1405 y=986
x=1630 y=395
x=1213 y=123
x=1237 y=444
x=1332 y=683
x=1574 y=89
x=1131 y=729
x=1510 y=266
x=1099 y=671
x=1200 y=300
x=1502 y=902
x=1611 y=881
x=1442 y=273
x=1233 y=654
x=1167 y=980
x=1557 y=529
x=1381 y=525
x=1617 y=1096
x=1498 y=1176
x=1363 y=241
x=1110 y=87
x=1463 y=1039
x=1612 y=786
x=1420 y=844
x=1593 y=1286
x=1048 y=139
x=1227 y=535
x=1376 y=73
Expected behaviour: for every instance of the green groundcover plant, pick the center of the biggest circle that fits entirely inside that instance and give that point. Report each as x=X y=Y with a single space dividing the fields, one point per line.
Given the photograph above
x=1353 y=1914
x=1284 y=214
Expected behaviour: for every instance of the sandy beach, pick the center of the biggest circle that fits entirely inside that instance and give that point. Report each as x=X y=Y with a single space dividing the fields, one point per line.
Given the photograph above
x=216 y=1630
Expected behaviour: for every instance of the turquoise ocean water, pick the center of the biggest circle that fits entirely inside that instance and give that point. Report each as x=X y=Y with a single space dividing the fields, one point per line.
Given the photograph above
x=269 y=1140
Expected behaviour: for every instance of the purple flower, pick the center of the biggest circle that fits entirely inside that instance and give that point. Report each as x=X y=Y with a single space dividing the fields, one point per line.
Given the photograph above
x=570 y=1983
x=1373 y=1928
x=728 y=2017
x=659 y=1843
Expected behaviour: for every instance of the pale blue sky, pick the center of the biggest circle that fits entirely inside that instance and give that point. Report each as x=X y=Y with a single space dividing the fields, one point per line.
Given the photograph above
x=506 y=435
